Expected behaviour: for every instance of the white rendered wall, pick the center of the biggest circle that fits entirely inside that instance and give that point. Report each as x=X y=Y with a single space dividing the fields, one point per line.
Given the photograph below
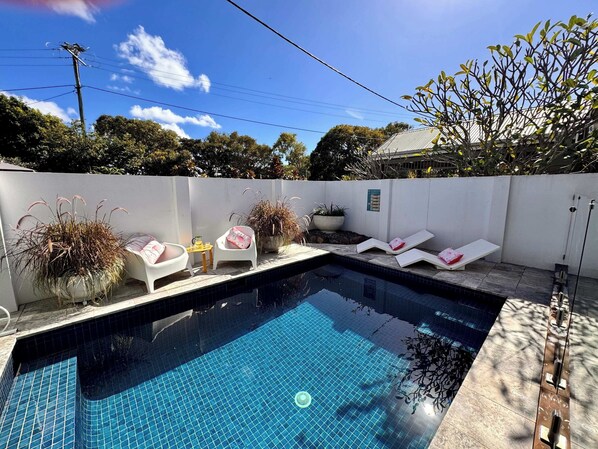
x=213 y=200
x=307 y=195
x=527 y=216
x=156 y=205
x=353 y=195
x=538 y=220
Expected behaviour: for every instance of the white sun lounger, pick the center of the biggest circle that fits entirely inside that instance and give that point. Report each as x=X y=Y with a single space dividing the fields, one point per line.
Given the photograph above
x=471 y=252
x=410 y=242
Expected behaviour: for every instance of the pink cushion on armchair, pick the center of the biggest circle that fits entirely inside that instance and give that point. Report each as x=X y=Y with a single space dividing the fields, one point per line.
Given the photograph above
x=146 y=246
x=152 y=251
x=238 y=238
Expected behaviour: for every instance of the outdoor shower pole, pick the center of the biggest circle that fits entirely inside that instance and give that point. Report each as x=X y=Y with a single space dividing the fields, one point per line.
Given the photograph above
x=583 y=247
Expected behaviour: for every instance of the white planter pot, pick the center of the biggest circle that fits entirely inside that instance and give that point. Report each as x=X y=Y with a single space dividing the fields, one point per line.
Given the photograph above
x=75 y=289
x=327 y=223
x=270 y=244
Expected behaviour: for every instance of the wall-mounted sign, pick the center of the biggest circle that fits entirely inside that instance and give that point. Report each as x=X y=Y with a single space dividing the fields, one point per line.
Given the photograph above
x=374 y=200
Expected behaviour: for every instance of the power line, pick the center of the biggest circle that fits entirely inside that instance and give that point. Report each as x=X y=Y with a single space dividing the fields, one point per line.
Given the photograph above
x=311 y=55
x=28 y=49
x=50 y=98
x=215 y=83
x=34 y=65
x=204 y=112
x=290 y=108
x=36 y=88
x=363 y=139
x=33 y=57
x=257 y=102
x=266 y=96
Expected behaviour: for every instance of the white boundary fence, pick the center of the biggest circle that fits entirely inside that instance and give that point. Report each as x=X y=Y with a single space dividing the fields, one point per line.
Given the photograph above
x=527 y=216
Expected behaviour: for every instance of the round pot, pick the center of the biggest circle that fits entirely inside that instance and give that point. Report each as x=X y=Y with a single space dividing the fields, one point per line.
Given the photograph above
x=271 y=244
x=327 y=223
x=79 y=289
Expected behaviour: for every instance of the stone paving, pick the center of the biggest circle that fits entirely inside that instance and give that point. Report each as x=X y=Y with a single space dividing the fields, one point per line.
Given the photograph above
x=496 y=405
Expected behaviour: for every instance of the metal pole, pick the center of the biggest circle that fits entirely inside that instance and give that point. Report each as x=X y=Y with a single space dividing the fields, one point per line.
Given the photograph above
x=583 y=247
x=74 y=51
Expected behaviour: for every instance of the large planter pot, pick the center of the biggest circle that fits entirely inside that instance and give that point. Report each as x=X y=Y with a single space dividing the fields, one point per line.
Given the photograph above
x=81 y=289
x=327 y=223
x=270 y=244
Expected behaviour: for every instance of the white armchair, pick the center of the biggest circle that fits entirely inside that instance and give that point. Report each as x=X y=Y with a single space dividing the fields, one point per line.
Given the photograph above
x=173 y=259
x=223 y=250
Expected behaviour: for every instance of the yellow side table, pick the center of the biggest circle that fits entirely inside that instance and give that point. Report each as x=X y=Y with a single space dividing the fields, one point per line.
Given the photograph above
x=202 y=248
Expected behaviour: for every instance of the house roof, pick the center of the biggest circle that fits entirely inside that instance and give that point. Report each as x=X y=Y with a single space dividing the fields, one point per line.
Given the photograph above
x=5 y=166
x=414 y=141
x=409 y=142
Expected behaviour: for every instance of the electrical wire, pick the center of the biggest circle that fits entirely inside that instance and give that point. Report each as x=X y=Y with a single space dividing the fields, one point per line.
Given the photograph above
x=36 y=88
x=265 y=96
x=34 y=57
x=186 y=108
x=311 y=55
x=162 y=103
x=305 y=101
x=256 y=102
x=35 y=65
x=50 y=98
x=28 y=49
x=292 y=109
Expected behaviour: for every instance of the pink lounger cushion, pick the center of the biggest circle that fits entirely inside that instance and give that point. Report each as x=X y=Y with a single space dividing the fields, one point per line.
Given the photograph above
x=238 y=238
x=396 y=243
x=450 y=256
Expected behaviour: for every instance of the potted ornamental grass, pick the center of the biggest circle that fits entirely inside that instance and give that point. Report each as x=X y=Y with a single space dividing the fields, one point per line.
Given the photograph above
x=329 y=218
x=275 y=223
x=70 y=256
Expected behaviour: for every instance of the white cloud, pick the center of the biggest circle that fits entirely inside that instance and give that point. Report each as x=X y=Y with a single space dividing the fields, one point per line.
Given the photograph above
x=167 y=116
x=83 y=9
x=176 y=128
x=45 y=107
x=164 y=66
x=354 y=114
x=124 y=78
x=126 y=89
x=204 y=82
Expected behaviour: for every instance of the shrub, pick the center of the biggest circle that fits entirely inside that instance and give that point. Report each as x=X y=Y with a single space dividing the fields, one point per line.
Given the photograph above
x=68 y=245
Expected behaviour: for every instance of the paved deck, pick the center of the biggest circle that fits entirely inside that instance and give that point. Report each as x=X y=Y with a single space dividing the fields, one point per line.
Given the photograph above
x=496 y=405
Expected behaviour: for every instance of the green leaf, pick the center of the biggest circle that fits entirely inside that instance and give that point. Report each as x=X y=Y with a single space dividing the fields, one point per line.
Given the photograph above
x=529 y=59
x=407 y=97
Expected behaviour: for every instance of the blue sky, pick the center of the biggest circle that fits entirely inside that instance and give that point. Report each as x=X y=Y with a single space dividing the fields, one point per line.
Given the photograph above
x=206 y=55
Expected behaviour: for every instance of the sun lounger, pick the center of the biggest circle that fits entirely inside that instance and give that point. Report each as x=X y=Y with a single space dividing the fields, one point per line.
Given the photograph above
x=410 y=242
x=471 y=252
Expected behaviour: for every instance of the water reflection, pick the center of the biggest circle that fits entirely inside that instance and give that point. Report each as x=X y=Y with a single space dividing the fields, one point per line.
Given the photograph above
x=434 y=374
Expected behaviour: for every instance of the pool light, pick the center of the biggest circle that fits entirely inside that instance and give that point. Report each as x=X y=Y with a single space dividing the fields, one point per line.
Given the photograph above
x=303 y=399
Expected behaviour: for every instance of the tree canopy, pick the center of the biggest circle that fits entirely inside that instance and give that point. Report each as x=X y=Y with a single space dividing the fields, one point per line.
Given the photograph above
x=120 y=145
x=345 y=145
x=530 y=108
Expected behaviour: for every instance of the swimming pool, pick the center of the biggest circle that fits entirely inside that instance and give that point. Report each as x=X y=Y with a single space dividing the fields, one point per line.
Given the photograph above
x=328 y=358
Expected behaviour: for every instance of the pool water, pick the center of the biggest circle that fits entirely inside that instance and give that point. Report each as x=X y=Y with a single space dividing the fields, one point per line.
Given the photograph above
x=331 y=358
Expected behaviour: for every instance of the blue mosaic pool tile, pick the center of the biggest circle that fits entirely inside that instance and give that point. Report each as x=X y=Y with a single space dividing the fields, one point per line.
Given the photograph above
x=241 y=394
x=40 y=411
x=223 y=372
x=6 y=378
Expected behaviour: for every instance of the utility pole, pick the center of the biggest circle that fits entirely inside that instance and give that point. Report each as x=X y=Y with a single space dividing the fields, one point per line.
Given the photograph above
x=74 y=50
